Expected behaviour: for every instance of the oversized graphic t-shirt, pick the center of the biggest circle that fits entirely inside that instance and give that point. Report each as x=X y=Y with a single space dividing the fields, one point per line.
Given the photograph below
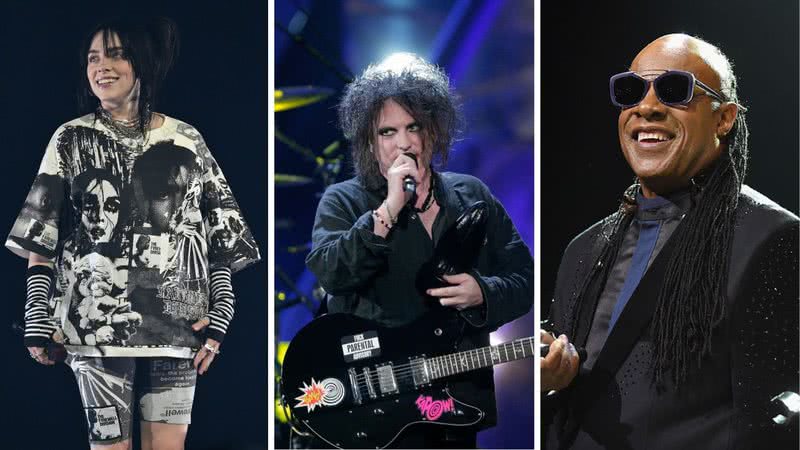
x=133 y=230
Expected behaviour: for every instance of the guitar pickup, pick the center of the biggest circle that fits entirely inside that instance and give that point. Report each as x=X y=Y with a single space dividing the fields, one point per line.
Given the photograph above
x=419 y=371
x=386 y=380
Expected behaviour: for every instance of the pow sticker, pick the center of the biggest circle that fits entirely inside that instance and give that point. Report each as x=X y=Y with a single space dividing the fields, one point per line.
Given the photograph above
x=328 y=392
x=433 y=409
x=360 y=346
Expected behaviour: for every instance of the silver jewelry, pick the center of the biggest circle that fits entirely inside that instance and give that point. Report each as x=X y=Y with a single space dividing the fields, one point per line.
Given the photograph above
x=126 y=130
x=213 y=350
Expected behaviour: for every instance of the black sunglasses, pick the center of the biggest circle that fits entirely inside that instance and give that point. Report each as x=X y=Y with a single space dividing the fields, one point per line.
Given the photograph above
x=673 y=88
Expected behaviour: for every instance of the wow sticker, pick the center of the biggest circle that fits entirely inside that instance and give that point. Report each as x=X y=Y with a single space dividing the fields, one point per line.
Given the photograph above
x=433 y=409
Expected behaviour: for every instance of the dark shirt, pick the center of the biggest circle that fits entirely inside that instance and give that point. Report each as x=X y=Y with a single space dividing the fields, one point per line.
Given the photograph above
x=375 y=278
x=725 y=403
x=668 y=212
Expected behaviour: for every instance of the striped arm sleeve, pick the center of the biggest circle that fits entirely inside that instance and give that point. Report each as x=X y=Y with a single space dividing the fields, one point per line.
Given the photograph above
x=39 y=327
x=222 y=300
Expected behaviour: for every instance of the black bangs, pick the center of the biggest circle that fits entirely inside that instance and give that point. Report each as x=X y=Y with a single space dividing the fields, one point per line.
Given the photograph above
x=150 y=44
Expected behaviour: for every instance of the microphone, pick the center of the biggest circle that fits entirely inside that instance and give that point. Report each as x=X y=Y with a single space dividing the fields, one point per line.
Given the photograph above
x=409 y=183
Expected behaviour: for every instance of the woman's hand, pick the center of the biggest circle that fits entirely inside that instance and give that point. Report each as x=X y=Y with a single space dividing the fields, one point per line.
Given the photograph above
x=39 y=354
x=205 y=356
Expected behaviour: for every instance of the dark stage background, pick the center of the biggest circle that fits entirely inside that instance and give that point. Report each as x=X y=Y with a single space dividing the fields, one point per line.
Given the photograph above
x=583 y=43
x=486 y=47
x=219 y=85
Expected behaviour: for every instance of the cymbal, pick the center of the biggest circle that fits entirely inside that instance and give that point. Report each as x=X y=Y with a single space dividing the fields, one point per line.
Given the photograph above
x=286 y=180
x=291 y=97
x=301 y=248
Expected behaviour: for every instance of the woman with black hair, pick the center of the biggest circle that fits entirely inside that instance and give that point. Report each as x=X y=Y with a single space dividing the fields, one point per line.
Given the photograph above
x=127 y=266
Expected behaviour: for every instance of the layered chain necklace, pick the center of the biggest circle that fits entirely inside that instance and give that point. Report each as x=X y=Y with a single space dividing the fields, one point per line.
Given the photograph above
x=426 y=205
x=126 y=130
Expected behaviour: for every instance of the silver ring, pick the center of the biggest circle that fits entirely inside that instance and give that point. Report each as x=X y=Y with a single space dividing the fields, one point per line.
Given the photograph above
x=213 y=350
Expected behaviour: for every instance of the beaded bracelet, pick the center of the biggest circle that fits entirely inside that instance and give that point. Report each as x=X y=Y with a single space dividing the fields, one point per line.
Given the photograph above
x=389 y=213
x=380 y=219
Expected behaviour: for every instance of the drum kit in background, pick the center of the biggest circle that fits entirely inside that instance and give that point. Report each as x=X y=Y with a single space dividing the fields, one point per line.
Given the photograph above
x=327 y=165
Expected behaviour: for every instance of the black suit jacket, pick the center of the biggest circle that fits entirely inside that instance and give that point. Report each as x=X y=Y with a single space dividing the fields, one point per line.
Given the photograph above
x=726 y=403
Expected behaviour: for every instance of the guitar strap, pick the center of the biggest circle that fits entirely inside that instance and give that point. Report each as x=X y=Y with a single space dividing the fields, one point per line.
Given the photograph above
x=631 y=324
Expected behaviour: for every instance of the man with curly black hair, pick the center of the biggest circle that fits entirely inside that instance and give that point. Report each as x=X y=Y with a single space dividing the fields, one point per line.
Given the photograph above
x=372 y=236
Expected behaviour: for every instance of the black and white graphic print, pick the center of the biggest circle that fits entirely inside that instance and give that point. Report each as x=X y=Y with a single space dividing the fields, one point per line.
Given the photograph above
x=102 y=314
x=230 y=242
x=168 y=190
x=171 y=391
x=164 y=392
x=36 y=228
x=107 y=396
x=145 y=227
x=104 y=423
x=97 y=196
x=83 y=145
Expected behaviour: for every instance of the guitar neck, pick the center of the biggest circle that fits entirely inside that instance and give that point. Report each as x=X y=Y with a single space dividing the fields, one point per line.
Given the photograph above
x=466 y=361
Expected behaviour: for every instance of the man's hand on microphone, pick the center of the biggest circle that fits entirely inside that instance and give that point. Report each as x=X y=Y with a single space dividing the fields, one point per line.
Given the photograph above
x=402 y=167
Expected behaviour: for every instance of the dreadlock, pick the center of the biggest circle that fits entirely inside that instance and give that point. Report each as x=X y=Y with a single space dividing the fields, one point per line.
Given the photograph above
x=691 y=302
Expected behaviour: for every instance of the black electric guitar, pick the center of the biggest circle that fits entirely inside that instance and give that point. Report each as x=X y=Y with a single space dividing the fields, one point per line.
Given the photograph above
x=357 y=384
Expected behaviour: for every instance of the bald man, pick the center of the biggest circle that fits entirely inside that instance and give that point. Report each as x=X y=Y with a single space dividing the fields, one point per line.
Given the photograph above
x=686 y=298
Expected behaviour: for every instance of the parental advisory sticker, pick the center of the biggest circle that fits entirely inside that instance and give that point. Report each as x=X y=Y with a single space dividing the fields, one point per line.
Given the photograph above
x=103 y=423
x=360 y=346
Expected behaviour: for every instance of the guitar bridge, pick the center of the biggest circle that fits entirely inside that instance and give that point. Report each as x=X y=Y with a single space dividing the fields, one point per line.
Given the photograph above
x=370 y=387
x=386 y=380
x=354 y=388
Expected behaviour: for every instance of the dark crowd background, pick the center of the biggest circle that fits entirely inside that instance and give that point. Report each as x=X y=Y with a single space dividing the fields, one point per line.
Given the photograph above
x=583 y=43
x=486 y=47
x=219 y=85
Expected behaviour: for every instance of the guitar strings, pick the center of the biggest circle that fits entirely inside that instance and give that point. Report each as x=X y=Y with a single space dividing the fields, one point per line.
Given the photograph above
x=403 y=372
x=475 y=353
x=457 y=358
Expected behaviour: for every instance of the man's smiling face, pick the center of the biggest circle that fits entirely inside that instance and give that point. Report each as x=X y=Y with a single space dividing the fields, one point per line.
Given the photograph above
x=667 y=145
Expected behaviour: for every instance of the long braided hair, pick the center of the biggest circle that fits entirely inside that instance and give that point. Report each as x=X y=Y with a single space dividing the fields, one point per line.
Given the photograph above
x=691 y=302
